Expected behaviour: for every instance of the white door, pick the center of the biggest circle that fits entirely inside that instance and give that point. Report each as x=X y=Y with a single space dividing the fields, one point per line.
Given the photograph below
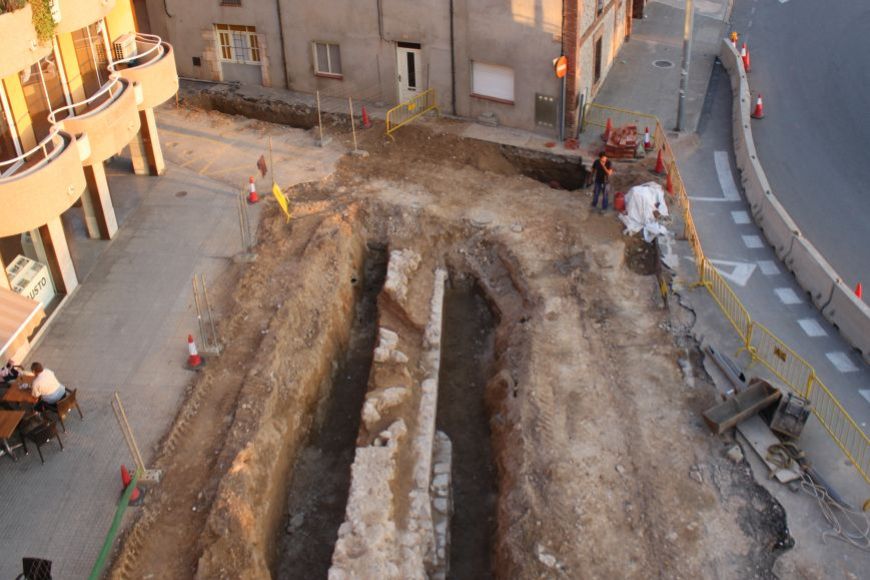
x=410 y=73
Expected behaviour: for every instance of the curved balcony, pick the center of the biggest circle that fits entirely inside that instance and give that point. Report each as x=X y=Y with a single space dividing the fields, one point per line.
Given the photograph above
x=76 y=14
x=110 y=119
x=153 y=67
x=21 y=47
x=40 y=184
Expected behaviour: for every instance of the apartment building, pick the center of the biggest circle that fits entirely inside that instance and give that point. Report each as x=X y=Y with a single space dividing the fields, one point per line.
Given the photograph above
x=491 y=59
x=78 y=85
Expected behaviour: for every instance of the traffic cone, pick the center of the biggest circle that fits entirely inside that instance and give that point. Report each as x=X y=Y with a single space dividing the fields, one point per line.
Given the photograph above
x=660 y=164
x=744 y=55
x=607 y=129
x=670 y=185
x=367 y=123
x=194 y=360
x=647 y=142
x=253 y=197
x=126 y=480
x=758 y=113
x=859 y=291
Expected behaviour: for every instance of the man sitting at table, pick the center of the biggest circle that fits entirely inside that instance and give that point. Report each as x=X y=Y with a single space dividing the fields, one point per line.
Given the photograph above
x=45 y=385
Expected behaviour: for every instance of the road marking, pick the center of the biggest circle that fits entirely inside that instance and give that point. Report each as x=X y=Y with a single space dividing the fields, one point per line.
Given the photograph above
x=787 y=296
x=811 y=327
x=740 y=217
x=740 y=271
x=752 y=242
x=865 y=393
x=768 y=267
x=842 y=361
x=714 y=199
x=726 y=178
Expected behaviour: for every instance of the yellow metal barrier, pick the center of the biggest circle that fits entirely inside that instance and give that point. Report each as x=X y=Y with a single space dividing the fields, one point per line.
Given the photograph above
x=764 y=346
x=840 y=426
x=404 y=113
x=727 y=300
x=757 y=339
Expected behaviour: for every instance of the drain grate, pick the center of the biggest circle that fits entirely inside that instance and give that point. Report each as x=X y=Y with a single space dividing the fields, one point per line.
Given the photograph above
x=663 y=63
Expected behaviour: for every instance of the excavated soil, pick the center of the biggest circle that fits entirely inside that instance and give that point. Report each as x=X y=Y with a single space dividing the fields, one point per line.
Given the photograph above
x=602 y=465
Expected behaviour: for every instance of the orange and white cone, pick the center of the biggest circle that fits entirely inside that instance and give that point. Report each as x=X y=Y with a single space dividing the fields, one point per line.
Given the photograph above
x=367 y=123
x=758 y=113
x=194 y=359
x=744 y=55
x=669 y=186
x=647 y=142
x=859 y=291
x=253 y=197
x=608 y=128
x=126 y=479
x=660 y=164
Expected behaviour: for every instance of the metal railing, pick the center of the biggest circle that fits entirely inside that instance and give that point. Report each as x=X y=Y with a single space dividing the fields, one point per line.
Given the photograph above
x=404 y=113
x=50 y=147
x=139 y=56
x=761 y=344
x=112 y=88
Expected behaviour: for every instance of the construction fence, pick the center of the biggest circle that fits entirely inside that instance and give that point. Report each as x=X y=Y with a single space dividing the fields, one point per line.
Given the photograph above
x=756 y=339
x=407 y=111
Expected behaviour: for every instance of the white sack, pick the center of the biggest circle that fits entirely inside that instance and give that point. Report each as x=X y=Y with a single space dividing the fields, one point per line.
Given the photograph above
x=640 y=203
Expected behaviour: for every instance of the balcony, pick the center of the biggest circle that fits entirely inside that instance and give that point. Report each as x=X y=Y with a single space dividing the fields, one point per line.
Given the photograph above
x=153 y=67
x=21 y=48
x=40 y=184
x=76 y=14
x=109 y=118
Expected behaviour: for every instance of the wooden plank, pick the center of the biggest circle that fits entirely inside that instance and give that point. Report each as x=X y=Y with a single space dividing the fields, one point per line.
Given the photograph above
x=760 y=438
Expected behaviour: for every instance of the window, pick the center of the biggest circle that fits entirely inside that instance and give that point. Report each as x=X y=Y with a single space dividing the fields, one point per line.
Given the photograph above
x=43 y=93
x=600 y=8
x=231 y=2
x=90 y=52
x=596 y=61
x=238 y=43
x=493 y=82
x=327 y=59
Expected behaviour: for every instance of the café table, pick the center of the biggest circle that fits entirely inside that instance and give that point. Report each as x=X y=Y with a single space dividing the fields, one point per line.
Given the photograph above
x=18 y=397
x=9 y=421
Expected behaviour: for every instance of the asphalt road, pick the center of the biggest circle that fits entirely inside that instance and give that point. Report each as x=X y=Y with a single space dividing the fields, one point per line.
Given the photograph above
x=811 y=61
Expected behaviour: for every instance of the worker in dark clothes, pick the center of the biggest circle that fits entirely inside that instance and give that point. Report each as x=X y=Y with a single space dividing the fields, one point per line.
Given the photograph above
x=602 y=169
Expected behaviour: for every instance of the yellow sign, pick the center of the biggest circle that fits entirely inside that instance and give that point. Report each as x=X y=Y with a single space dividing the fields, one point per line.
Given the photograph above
x=282 y=199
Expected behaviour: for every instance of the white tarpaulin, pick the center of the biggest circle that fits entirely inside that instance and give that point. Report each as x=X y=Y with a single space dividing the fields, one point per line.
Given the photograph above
x=641 y=202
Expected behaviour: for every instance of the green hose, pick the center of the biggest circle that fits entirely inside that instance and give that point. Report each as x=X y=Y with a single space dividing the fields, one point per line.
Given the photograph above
x=97 y=570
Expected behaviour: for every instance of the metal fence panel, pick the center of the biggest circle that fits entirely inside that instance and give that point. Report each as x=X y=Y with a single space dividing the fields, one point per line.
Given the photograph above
x=727 y=300
x=780 y=359
x=840 y=426
x=404 y=113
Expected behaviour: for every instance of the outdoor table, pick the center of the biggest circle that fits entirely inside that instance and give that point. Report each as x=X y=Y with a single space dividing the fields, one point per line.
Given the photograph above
x=18 y=396
x=9 y=421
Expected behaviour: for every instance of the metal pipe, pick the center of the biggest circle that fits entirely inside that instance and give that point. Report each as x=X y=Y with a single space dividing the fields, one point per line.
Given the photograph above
x=687 y=58
x=283 y=48
x=452 y=63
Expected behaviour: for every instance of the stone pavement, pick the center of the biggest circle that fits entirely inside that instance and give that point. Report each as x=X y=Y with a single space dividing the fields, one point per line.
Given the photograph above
x=125 y=328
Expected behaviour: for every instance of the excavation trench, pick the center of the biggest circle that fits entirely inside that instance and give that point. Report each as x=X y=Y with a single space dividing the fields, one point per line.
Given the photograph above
x=466 y=361
x=317 y=495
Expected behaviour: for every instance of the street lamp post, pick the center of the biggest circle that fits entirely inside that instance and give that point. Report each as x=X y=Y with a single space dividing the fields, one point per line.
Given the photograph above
x=687 y=58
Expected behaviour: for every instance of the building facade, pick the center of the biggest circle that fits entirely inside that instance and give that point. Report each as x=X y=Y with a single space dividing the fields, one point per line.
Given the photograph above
x=78 y=85
x=483 y=57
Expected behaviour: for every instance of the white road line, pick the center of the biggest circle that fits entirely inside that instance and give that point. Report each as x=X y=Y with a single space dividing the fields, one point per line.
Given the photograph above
x=842 y=361
x=752 y=242
x=865 y=393
x=787 y=296
x=740 y=217
x=768 y=267
x=739 y=272
x=811 y=327
x=726 y=178
x=714 y=199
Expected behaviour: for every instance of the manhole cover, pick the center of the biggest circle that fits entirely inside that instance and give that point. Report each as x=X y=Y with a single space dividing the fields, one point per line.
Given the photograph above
x=663 y=63
x=181 y=194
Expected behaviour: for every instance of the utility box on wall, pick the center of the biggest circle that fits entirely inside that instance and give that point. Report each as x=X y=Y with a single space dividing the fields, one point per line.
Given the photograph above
x=545 y=111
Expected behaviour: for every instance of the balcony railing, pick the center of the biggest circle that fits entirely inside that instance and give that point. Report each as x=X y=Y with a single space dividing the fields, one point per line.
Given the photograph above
x=40 y=184
x=109 y=118
x=153 y=67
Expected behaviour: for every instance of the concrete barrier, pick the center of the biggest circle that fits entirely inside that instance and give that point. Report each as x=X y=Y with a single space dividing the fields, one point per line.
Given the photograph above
x=812 y=271
x=851 y=316
x=777 y=225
